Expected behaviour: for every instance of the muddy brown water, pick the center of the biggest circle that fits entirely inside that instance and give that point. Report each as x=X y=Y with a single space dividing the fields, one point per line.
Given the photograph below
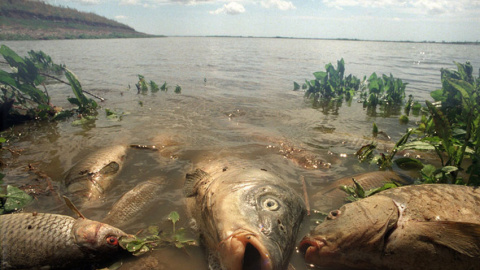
x=236 y=99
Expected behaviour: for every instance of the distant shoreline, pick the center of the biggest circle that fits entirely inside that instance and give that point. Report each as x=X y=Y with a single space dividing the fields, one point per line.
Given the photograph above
x=339 y=39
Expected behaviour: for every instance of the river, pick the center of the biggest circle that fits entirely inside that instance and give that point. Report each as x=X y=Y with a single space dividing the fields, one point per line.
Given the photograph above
x=236 y=99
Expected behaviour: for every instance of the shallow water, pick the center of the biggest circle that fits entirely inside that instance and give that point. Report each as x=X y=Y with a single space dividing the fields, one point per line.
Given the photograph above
x=236 y=99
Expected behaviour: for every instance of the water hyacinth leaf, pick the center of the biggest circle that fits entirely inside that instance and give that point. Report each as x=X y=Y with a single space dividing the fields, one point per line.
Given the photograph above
x=409 y=163
x=296 y=86
x=178 y=89
x=15 y=199
x=174 y=217
x=6 y=78
x=164 y=87
x=154 y=87
x=136 y=246
x=417 y=145
x=375 y=129
x=449 y=169
x=11 y=56
x=76 y=87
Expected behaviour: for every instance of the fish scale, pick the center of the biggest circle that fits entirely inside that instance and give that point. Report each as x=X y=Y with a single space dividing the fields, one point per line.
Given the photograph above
x=18 y=237
x=49 y=240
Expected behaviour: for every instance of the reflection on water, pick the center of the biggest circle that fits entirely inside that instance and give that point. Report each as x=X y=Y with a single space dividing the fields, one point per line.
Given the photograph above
x=246 y=107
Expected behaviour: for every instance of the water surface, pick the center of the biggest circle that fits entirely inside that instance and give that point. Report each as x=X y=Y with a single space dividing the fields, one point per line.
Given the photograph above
x=236 y=99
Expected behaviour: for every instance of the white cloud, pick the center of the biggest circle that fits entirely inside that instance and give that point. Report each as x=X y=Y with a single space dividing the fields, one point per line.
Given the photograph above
x=121 y=17
x=231 y=8
x=280 y=4
x=130 y=2
x=88 y=2
x=409 y=6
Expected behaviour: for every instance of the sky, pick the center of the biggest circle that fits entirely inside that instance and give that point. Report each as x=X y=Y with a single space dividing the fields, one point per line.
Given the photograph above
x=413 y=20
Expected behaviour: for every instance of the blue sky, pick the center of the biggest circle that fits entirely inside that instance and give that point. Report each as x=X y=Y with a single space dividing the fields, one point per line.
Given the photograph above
x=416 y=20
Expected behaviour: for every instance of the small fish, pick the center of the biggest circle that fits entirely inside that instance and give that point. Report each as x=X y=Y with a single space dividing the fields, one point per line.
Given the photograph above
x=412 y=227
x=247 y=216
x=30 y=240
x=92 y=176
x=331 y=197
x=135 y=203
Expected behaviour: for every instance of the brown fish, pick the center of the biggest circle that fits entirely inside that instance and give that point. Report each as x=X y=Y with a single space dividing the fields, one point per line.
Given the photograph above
x=30 y=240
x=411 y=227
x=331 y=197
x=247 y=216
x=90 y=177
x=134 y=203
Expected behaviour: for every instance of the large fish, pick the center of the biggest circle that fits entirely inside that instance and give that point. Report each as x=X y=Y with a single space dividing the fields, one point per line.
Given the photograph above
x=92 y=176
x=248 y=217
x=135 y=203
x=411 y=227
x=30 y=240
x=331 y=197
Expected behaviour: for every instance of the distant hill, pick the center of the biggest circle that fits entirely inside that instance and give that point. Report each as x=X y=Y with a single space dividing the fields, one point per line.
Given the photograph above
x=34 y=19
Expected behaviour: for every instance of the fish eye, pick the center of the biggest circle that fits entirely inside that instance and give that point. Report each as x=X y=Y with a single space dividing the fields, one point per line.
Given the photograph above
x=334 y=214
x=112 y=240
x=270 y=204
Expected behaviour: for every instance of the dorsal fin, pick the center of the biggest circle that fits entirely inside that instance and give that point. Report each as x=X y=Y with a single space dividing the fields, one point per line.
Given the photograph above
x=73 y=207
x=191 y=180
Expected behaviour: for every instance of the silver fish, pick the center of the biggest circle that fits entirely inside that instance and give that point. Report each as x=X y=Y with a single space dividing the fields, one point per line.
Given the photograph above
x=331 y=197
x=89 y=178
x=48 y=240
x=248 y=217
x=134 y=203
x=412 y=227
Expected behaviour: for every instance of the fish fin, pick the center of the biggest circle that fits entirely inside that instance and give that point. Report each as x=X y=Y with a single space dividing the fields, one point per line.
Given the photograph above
x=463 y=237
x=191 y=180
x=73 y=207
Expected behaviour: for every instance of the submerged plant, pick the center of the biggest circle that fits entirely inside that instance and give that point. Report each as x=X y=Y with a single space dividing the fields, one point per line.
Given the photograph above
x=158 y=238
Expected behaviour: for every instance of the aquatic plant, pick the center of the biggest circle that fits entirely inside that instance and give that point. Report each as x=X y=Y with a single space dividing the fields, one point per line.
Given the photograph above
x=330 y=84
x=157 y=238
x=13 y=199
x=453 y=126
x=357 y=192
x=450 y=127
x=384 y=90
x=24 y=94
x=331 y=87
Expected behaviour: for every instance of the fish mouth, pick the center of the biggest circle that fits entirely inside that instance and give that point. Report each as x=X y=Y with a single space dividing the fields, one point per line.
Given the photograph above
x=311 y=247
x=244 y=250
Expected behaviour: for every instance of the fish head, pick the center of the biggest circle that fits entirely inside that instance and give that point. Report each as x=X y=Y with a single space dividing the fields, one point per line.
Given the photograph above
x=353 y=235
x=257 y=221
x=97 y=237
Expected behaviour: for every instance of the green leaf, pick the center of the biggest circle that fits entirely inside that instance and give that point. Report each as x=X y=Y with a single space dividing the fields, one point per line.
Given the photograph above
x=11 y=56
x=409 y=163
x=15 y=199
x=174 y=216
x=417 y=145
x=296 y=86
x=76 y=87
x=449 y=169
x=178 y=89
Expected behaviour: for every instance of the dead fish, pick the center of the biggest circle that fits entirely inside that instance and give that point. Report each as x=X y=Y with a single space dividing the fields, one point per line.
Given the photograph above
x=135 y=203
x=89 y=178
x=331 y=197
x=413 y=227
x=248 y=217
x=48 y=240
